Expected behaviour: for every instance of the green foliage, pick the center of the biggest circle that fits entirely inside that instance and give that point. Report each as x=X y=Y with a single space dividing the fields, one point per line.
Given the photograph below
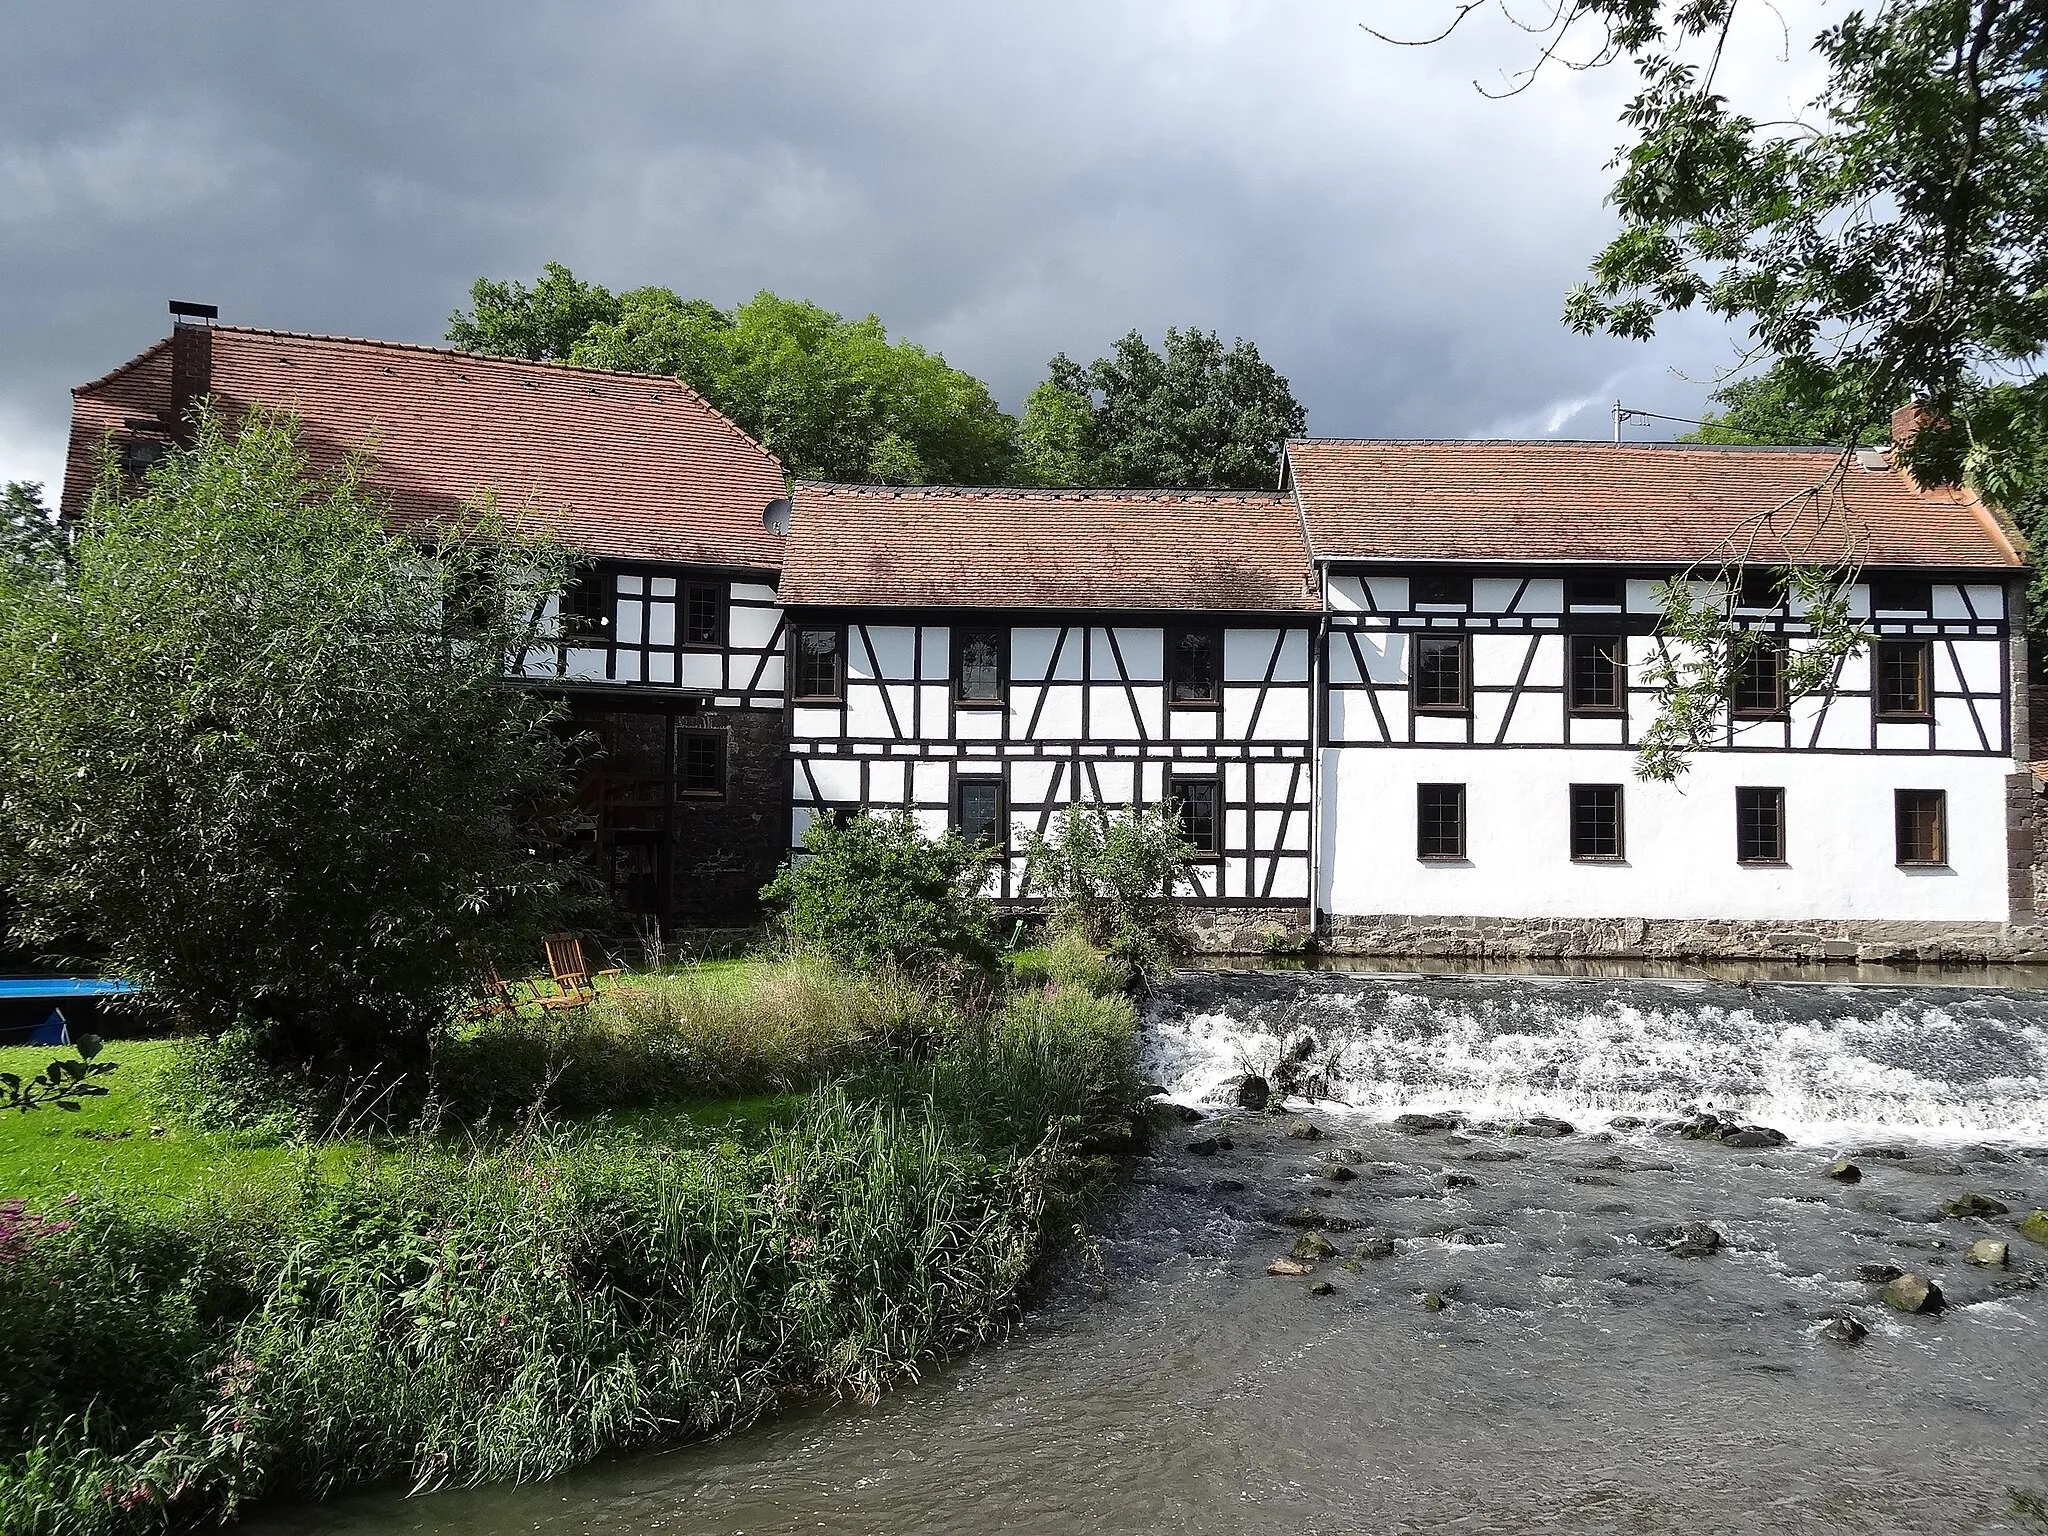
x=1067 y=959
x=63 y=1082
x=541 y=324
x=1794 y=401
x=246 y=765
x=31 y=539
x=873 y=892
x=1196 y=416
x=1111 y=874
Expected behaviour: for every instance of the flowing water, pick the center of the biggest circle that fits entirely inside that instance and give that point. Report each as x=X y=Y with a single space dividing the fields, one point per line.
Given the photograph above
x=1579 y=1377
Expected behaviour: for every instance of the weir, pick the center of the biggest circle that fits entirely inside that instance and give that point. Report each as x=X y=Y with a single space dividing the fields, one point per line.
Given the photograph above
x=1817 y=1061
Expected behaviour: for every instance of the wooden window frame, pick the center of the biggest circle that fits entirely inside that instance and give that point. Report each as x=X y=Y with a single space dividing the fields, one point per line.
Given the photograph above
x=1462 y=643
x=1777 y=801
x=1747 y=583
x=1459 y=581
x=1620 y=854
x=962 y=783
x=588 y=612
x=1574 y=644
x=796 y=660
x=686 y=592
x=1170 y=669
x=1175 y=785
x=1924 y=649
x=1575 y=595
x=959 y=644
x=1922 y=593
x=1423 y=854
x=1938 y=803
x=719 y=737
x=1778 y=654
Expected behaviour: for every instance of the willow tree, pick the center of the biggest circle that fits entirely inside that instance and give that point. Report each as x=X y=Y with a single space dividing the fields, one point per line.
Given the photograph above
x=258 y=755
x=1886 y=244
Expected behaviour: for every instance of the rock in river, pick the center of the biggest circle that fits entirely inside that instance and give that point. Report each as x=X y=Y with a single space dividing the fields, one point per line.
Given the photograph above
x=1340 y=1173
x=1322 y=1288
x=2035 y=1227
x=1254 y=1092
x=1423 y=1125
x=1970 y=1203
x=1842 y=1171
x=1843 y=1330
x=1547 y=1126
x=1311 y=1246
x=1288 y=1267
x=1305 y=1130
x=1694 y=1240
x=1987 y=1253
x=1913 y=1293
x=1378 y=1246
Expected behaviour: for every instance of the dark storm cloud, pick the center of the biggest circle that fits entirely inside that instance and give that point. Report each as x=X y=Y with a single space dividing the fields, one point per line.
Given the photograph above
x=998 y=184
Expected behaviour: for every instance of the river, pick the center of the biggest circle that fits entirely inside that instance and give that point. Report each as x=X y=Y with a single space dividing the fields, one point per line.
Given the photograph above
x=1580 y=1375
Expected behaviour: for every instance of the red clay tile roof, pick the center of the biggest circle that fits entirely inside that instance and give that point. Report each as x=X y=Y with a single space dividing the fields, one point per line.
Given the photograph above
x=1228 y=551
x=1650 y=503
x=622 y=465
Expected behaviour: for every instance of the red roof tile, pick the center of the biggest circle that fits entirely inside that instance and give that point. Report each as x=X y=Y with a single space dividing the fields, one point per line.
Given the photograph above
x=1650 y=503
x=1003 y=548
x=622 y=465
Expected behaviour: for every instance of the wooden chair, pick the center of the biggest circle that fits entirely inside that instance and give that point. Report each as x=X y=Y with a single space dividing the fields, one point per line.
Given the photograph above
x=576 y=986
x=494 y=997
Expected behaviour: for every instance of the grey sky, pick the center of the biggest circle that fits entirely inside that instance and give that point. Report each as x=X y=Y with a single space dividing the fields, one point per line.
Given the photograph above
x=997 y=183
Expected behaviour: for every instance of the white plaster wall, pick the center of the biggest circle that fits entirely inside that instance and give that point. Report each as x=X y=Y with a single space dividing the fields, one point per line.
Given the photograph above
x=1680 y=842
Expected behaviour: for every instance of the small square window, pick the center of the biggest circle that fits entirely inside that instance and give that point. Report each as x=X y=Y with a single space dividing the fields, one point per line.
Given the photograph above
x=978 y=811
x=587 y=605
x=1758 y=589
x=1902 y=667
x=1593 y=592
x=1436 y=590
x=1440 y=674
x=704 y=613
x=1440 y=822
x=1922 y=820
x=819 y=676
x=1596 y=822
x=1903 y=595
x=700 y=763
x=978 y=666
x=1597 y=686
x=1759 y=826
x=1200 y=821
x=1756 y=680
x=1192 y=657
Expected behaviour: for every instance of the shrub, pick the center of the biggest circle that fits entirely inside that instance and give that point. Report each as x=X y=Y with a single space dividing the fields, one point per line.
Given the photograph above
x=1112 y=874
x=874 y=891
x=251 y=760
x=1067 y=959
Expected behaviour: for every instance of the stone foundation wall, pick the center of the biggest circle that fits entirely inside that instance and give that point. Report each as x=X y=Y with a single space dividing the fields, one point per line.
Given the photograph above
x=1249 y=930
x=1481 y=938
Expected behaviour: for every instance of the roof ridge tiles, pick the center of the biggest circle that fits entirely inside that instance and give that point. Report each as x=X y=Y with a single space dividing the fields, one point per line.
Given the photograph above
x=1566 y=442
x=1042 y=492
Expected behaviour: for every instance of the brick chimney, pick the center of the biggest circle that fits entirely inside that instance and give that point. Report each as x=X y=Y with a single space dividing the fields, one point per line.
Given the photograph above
x=191 y=365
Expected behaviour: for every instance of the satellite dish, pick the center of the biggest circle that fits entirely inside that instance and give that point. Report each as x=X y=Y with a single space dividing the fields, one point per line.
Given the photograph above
x=775 y=517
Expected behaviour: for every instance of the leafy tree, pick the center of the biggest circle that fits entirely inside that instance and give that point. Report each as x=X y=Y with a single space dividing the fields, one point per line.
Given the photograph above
x=246 y=762
x=1889 y=242
x=31 y=540
x=1198 y=415
x=541 y=324
x=1789 y=403
x=1111 y=875
x=874 y=890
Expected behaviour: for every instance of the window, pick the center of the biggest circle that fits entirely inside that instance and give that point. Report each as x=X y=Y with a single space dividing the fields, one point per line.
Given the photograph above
x=1596 y=681
x=818 y=671
x=978 y=811
x=1922 y=817
x=700 y=763
x=1596 y=822
x=1200 y=822
x=587 y=605
x=472 y=602
x=978 y=666
x=1902 y=667
x=1756 y=680
x=1191 y=657
x=1437 y=591
x=1759 y=826
x=1758 y=588
x=1440 y=673
x=704 y=613
x=1593 y=592
x=1902 y=595
x=1440 y=821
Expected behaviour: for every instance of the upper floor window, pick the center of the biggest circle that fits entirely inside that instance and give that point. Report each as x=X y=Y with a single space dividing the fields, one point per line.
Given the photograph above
x=587 y=605
x=1440 y=822
x=1758 y=589
x=1441 y=673
x=1596 y=676
x=1901 y=668
x=1756 y=680
x=1200 y=822
x=1596 y=823
x=1436 y=590
x=978 y=809
x=820 y=670
x=1902 y=595
x=700 y=763
x=1921 y=819
x=978 y=666
x=472 y=598
x=1193 y=666
x=704 y=613
x=1593 y=592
